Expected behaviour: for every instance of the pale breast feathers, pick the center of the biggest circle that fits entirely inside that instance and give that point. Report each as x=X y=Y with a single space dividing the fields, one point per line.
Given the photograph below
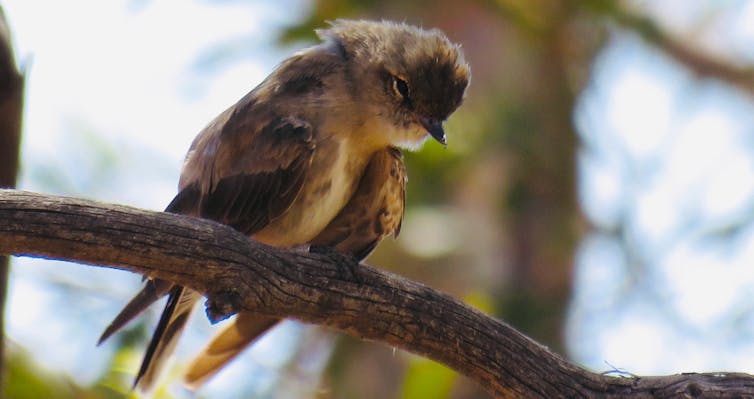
x=375 y=210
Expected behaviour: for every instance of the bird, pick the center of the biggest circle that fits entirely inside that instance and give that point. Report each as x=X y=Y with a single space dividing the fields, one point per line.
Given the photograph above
x=310 y=156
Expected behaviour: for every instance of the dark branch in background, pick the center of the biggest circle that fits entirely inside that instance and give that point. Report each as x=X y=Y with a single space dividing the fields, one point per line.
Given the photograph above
x=702 y=64
x=325 y=288
x=11 y=106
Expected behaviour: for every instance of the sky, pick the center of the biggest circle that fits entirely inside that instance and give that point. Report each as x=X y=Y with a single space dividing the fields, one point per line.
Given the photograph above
x=117 y=92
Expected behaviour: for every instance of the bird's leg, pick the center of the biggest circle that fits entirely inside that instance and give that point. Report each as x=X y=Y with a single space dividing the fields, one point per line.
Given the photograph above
x=221 y=305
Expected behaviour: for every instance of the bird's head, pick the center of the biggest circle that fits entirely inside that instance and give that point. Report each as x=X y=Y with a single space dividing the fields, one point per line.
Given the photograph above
x=412 y=79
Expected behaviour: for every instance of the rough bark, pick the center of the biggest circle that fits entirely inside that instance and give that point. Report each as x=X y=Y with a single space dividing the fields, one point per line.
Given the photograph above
x=326 y=288
x=11 y=107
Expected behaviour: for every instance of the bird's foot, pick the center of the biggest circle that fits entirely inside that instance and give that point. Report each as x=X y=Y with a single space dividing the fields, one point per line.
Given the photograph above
x=222 y=305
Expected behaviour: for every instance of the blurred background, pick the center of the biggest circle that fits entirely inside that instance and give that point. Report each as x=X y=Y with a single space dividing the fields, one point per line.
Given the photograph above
x=597 y=191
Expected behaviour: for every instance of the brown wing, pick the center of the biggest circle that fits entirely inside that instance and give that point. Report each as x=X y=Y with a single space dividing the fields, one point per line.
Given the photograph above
x=245 y=175
x=243 y=170
x=374 y=211
x=240 y=178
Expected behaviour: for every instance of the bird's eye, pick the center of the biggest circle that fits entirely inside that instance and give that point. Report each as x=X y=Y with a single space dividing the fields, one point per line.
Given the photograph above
x=400 y=87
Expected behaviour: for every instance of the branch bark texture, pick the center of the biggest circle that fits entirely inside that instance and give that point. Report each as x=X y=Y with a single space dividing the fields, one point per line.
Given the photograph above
x=325 y=288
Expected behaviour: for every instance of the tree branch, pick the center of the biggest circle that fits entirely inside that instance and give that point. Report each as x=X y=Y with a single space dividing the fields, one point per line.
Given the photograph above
x=321 y=287
x=698 y=61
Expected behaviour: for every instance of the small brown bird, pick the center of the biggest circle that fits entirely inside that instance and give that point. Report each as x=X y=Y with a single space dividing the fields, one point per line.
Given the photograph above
x=310 y=156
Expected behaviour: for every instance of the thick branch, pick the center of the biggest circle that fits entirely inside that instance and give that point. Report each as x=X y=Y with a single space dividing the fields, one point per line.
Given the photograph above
x=321 y=287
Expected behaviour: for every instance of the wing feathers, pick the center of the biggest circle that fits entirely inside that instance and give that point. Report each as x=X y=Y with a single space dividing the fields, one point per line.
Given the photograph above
x=244 y=170
x=252 y=189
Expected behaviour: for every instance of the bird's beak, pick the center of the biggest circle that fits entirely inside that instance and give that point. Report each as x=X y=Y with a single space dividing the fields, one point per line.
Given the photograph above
x=434 y=128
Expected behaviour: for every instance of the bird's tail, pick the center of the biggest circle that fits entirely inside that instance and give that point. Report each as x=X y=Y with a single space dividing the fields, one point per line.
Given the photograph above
x=177 y=310
x=244 y=329
x=152 y=291
x=172 y=322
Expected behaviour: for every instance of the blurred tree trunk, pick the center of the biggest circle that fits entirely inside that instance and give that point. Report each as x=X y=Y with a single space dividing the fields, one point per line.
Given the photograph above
x=540 y=207
x=11 y=107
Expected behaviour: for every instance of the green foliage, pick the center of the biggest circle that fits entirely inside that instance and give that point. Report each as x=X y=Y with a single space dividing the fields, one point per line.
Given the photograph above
x=323 y=11
x=118 y=378
x=24 y=379
x=427 y=379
